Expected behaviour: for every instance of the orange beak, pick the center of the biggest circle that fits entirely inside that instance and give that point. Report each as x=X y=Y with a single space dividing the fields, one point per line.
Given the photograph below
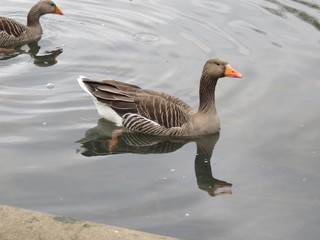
x=58 y=11
x=230 y=72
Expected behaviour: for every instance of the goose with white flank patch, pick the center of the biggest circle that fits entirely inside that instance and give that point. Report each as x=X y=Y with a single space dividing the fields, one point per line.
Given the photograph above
x=158 y=113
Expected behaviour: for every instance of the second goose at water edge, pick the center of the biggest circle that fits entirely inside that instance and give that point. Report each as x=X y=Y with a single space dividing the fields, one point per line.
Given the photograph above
x=159 y=113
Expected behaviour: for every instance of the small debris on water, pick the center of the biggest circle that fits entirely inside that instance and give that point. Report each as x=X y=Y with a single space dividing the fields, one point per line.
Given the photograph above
x=50 y=85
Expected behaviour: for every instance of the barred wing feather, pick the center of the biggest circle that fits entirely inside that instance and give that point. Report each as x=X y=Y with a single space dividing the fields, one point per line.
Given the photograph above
x=161 y=111
x=11 y=27
x=138 y=123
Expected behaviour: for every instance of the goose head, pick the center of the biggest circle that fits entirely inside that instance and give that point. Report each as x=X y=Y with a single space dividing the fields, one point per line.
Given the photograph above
x=217 y=68
x=48 y=6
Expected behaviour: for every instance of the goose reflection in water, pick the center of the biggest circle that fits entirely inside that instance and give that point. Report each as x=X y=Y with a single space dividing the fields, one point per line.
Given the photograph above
x=48 y=58
x=102 y=140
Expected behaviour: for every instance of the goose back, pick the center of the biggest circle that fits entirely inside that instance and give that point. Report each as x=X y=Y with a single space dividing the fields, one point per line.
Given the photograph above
x=11 y=31
x=147 y=107
x=11 y=27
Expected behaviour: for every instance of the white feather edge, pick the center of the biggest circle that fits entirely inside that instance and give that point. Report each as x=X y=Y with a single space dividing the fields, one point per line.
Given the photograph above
x=104 y=110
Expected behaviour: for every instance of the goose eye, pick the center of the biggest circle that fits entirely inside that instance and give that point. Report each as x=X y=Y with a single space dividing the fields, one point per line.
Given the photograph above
x=218 y=64
x=52 y=5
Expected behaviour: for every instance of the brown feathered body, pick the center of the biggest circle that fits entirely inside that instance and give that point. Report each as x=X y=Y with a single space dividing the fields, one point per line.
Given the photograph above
x=13 y=32
x=158 y=113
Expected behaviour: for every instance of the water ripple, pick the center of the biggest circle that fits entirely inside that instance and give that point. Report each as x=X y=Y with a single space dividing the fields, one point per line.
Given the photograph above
x=145 y=37
x=269 y=118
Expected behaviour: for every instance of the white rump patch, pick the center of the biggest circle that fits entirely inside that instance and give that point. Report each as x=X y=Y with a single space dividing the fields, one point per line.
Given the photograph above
x=103 y=109
x=107 y=112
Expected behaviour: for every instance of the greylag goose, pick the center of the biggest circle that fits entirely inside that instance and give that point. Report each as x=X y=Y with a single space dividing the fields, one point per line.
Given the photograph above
x=159 y=113
x=13 y=32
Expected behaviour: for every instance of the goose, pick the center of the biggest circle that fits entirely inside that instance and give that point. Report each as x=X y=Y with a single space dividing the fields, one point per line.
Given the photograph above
x=158 y=113
x=13 y=32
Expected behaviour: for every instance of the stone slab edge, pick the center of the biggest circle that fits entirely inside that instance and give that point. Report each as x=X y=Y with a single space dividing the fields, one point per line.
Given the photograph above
x=17 y=223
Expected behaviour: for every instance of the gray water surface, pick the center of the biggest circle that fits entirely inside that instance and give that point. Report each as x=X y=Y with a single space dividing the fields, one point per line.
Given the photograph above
x=262 y=180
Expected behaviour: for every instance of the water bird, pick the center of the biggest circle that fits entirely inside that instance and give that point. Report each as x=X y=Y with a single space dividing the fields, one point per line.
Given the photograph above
x=158 y=113
x=13 y=32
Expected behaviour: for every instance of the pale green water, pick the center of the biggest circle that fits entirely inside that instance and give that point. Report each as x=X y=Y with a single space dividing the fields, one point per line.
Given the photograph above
x=269 y=145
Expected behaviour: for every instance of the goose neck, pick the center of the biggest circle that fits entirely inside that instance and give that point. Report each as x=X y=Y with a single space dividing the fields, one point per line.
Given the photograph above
x=207 y=94
x=34 y=17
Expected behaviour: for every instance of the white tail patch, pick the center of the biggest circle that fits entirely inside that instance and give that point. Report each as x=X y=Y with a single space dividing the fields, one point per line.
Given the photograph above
x=103 y=109
x=82 y=85
x=107 y=112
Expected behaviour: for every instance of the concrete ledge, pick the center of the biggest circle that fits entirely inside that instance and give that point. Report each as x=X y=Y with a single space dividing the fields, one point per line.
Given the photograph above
x=21 y=224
